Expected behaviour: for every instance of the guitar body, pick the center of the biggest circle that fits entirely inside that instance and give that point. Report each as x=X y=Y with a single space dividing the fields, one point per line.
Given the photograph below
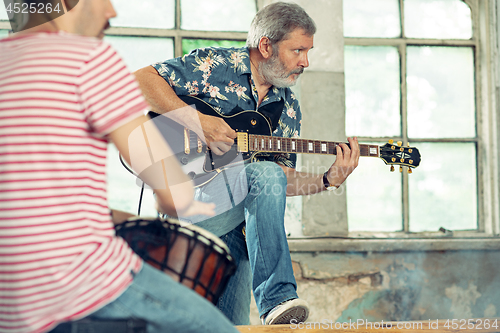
x=203 y=165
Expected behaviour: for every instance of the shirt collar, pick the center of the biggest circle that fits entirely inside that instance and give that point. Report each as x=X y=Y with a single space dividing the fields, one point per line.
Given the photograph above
x=246 y=60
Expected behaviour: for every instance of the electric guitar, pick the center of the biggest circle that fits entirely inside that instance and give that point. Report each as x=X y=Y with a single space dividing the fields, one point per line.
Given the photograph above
x=254 y=136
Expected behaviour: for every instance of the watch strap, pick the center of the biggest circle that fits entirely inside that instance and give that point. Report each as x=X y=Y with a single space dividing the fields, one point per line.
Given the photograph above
x=327 y=184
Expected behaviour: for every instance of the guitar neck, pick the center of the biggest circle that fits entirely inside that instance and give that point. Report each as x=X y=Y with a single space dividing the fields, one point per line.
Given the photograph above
x=271 y=144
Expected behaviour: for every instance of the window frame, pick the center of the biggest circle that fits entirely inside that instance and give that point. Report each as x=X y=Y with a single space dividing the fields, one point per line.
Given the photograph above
x=5 y=25
x=176 y=33
x=484 y=228
x=484 y=41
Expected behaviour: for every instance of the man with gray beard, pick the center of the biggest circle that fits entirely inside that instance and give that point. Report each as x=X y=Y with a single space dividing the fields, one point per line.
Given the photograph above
x=251 y=198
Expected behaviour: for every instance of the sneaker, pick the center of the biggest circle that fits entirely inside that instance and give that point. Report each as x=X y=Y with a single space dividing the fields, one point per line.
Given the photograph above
x=286 y=312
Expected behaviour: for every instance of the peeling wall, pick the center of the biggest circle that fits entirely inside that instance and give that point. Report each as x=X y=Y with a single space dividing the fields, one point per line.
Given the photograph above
x=398 y=286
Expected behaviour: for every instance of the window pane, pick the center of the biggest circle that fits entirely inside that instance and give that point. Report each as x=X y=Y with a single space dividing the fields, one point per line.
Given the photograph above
x=144 y=14
x=374 y=197
x=191 y=44
x=448 y=19
x=217 y=15
x=371 y=18
x=123 y=190
x=4 y=33
x=441 y=97
x=372 y=91
x=443 y=190
x=139 y=52
x=3 y=13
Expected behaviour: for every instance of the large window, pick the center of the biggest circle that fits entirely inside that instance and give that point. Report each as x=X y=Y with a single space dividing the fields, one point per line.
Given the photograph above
x=155 y=30
x=4 y=22
x=411 y=76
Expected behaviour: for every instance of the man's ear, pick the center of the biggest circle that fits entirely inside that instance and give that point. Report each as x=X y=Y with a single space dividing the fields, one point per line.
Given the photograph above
x=70 y=4
x=265 y=47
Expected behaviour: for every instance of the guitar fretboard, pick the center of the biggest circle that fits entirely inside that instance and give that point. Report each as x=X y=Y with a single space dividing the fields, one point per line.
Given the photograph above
x=273 y=144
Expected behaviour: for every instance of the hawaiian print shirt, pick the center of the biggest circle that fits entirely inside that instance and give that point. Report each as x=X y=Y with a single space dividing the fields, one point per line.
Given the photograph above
x=222 y=77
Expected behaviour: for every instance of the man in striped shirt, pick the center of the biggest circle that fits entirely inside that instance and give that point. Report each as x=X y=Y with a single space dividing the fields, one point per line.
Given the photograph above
x=65 y=94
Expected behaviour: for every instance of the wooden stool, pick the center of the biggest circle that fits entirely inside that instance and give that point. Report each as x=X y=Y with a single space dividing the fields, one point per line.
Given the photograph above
x=93 y=325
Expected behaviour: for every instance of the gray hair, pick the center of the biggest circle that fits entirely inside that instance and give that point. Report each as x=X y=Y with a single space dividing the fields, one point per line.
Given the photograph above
x=276 y=21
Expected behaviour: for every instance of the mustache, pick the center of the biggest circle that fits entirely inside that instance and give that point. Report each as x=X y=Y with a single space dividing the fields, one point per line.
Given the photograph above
x=297 y=71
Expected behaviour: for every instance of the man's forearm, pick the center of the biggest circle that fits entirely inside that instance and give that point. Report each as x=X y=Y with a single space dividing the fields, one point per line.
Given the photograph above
x=302 y=183
x=163 y=99
x=155 y=162
x=158 y=93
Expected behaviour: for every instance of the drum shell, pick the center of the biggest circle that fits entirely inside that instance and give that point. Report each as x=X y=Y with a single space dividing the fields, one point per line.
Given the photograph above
x=190 y=256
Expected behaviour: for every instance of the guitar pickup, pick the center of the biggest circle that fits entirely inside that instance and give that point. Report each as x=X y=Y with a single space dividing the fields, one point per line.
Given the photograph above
x=242 y=142
x=187 y=149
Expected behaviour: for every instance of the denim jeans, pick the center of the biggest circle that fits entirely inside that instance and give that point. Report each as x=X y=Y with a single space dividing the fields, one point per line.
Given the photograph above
x=255 y=193
x=166 y=305
x=235 y=301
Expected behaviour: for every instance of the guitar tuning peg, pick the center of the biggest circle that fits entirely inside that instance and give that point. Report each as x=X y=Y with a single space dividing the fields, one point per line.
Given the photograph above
x=407 y=144
x=400 y=143
x=391 y=141
x=400 y=169
x=392 y=168
x=410 y=170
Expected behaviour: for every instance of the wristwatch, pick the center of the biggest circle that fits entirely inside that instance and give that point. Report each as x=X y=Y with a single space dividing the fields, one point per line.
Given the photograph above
x=327 y=184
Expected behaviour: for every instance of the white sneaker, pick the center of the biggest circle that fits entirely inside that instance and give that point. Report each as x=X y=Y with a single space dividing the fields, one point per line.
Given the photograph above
x=287 y=311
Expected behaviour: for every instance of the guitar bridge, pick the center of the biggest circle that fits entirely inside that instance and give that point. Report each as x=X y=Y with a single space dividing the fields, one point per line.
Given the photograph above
x=200 y=146
x=242 y=142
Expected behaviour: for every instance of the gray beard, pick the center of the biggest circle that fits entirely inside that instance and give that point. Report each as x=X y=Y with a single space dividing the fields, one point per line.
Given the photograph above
x=274 y=72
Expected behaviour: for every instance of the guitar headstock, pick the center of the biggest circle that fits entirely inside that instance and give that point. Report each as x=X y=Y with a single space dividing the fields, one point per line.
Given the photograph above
x=396 y=154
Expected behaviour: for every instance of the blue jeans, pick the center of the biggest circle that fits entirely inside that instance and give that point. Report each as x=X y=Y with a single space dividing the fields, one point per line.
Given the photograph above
x=255 y=193
x=166 y=305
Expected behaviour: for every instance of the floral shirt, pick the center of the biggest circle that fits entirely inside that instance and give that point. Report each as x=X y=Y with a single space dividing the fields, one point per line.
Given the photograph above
x=222 y=78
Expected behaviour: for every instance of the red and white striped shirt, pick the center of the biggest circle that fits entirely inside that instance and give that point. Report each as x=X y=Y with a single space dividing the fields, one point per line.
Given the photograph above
x=60 y=95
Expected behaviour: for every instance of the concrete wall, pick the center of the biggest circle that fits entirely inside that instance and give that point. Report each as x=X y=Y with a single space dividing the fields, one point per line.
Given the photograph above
x=374 y=286
x=322 y=99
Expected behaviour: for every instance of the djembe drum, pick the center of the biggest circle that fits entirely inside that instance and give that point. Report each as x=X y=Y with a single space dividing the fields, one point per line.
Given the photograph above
x=189 y=254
